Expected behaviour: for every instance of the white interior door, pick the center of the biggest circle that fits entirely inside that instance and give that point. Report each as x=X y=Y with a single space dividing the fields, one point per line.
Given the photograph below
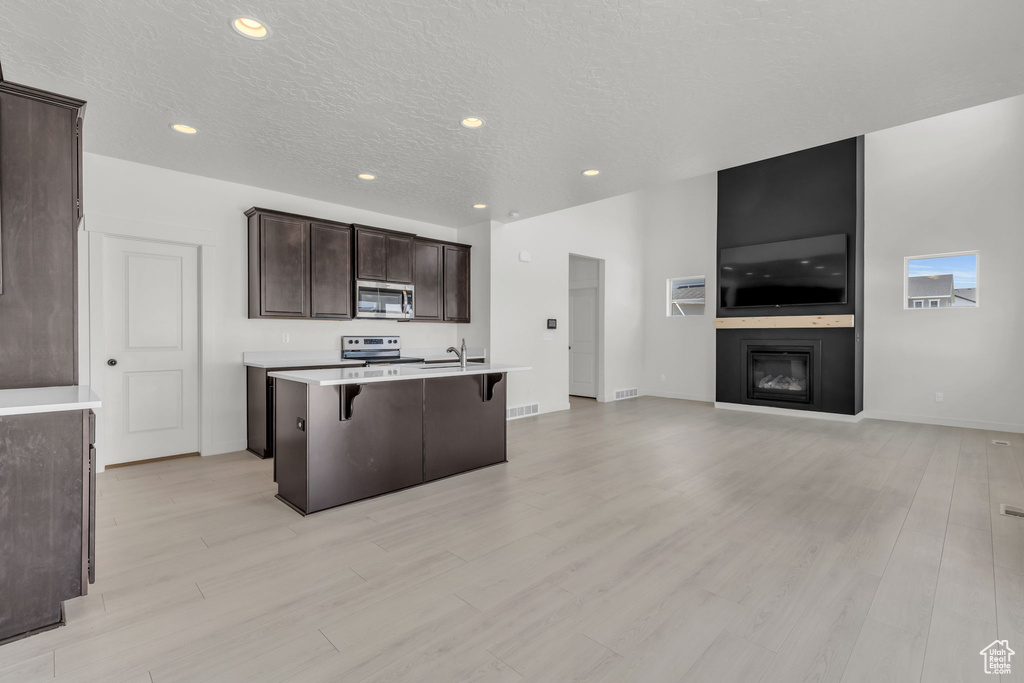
x=151 y=333
x=583 y=341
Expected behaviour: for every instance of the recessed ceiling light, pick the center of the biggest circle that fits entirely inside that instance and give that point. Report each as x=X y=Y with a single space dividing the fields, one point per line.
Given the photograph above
x=805 y=262
x=479 y=206
x=820 y=267
x=182 y=128
x=250 y=28
x=591 y=172
x=366 y=176
x=471 y=122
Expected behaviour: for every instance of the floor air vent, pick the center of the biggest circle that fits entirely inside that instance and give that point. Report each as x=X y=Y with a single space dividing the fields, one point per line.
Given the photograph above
x=1000 y=442
x=625 y=393
x=516 y=412
x=1011 y=510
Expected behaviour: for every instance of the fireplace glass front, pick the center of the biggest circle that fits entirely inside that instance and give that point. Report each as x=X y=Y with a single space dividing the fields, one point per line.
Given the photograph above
x=778 y=373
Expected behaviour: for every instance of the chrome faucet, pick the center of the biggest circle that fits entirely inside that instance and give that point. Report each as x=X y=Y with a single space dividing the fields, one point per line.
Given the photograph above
x=462 y=355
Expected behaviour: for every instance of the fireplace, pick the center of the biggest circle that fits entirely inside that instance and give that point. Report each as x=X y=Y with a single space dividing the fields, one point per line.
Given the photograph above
x=782 y=373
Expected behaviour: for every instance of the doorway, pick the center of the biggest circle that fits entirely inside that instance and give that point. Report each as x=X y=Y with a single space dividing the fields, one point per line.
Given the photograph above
x=149 y=355
x=584 y=325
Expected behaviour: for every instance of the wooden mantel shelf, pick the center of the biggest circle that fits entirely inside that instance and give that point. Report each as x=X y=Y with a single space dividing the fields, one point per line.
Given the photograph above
x=784 y=322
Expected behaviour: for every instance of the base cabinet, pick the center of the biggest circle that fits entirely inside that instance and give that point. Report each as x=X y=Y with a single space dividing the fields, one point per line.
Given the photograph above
x=339 y=444
x=463 y=424
x=45 y=526
x=324 y=461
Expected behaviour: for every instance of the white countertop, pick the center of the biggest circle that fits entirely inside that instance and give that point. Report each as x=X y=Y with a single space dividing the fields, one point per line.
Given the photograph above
x=47 y=400
x=388 y=373
x=312 y=359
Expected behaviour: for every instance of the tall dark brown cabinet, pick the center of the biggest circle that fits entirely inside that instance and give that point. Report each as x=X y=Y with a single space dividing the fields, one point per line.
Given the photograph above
x=46 y=459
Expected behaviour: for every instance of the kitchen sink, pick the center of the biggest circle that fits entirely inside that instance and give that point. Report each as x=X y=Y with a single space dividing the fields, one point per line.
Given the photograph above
x=441 y=366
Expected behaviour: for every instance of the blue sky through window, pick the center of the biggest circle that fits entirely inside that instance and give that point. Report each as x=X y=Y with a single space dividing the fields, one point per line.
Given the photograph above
x=964 y=269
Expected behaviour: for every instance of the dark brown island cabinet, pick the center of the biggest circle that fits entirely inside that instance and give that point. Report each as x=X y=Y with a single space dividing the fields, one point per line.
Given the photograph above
x=46 y=458
x=337 y=444
x=306 y=268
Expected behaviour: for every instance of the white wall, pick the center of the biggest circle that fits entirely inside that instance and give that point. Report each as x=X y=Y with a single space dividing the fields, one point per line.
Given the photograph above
x=131 y=199
x=478 y=332
x=525 y=295
x=680 y=239
x=950 y=183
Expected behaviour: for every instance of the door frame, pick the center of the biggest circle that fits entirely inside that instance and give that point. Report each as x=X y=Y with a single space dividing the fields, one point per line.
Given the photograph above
x=599 y=283
x=91 y=305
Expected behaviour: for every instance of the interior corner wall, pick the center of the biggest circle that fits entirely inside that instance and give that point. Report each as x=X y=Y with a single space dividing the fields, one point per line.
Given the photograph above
x=679 y=241
x=128 y=199
x=946 y=184
x=524 y=294
x=477 y=332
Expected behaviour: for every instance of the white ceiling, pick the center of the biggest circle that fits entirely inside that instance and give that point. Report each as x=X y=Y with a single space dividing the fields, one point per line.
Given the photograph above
x=648 y=91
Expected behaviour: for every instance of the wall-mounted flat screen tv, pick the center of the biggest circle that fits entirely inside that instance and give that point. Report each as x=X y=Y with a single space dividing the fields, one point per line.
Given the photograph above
x=791 y=273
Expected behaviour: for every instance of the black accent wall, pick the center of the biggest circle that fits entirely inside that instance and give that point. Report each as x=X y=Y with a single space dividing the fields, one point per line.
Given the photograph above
x=814 y=192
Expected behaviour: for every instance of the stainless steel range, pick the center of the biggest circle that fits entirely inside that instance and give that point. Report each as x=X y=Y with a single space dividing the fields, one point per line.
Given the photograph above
x=375 y=350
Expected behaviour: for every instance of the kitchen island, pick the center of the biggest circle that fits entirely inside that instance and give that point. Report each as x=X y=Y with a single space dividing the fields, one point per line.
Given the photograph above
x=345 y=434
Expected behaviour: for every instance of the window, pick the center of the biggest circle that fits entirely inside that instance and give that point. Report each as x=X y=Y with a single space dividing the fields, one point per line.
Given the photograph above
x=941 y=281
x=685 y=296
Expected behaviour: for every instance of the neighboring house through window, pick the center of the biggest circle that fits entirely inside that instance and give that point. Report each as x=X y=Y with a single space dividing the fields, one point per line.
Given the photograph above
x=942 y=281
x=686 y=296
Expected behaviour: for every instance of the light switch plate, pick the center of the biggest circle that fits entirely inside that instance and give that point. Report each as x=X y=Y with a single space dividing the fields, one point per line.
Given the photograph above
x=548 y=336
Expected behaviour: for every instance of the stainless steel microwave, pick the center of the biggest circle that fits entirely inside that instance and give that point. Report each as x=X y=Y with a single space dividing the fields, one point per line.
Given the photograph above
x=383 y=300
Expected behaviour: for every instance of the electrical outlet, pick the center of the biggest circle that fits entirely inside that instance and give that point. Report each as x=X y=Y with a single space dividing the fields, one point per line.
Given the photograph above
x=663 y=378
x=286 y=338
x=939 y=396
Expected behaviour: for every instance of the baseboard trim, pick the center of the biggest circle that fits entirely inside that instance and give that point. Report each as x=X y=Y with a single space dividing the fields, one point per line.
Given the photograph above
x=226 y=447
x=682 y=397
x=768 y=410
x=945 y=422
x=111 y=465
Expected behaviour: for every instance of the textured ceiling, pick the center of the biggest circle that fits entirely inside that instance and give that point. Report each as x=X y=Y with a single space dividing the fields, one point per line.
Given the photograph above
x=648 y=91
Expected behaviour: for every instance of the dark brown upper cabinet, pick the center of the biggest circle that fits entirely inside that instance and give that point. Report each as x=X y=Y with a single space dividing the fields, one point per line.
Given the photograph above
x=428 y=280
x=40 y=205
x=279 y=250
x=383 y=256
x=331 y=274
x=371 y=254
x=299 y=267
x=456 y=284
x=302 y=267
x=400 y=259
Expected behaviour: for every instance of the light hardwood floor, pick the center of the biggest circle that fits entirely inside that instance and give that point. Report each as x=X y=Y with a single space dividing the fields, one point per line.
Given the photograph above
x=644 y=540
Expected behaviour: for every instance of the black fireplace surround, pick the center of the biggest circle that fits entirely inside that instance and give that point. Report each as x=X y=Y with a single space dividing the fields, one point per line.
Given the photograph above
x=815 y=192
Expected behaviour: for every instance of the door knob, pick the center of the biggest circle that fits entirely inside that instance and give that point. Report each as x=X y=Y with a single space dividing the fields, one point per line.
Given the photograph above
x=112 y=362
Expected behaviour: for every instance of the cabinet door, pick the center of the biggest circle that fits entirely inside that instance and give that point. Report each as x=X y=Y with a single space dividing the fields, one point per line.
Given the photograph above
x=41 y=525
x=38 y=217
x=427 y=280
x=461 y=430
x=371 y=255
x=399 y=255
x=456 y=284
x=284 y=267
x=331 y=259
